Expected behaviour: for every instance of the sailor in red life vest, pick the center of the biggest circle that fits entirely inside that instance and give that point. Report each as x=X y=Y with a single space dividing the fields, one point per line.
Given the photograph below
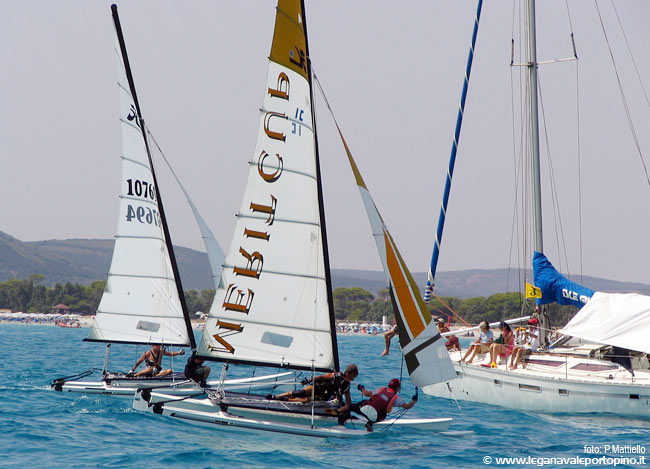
x=380 y=404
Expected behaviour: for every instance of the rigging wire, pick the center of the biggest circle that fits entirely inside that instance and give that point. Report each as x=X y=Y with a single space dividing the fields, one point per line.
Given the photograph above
x=623 y=99
x=629 y=49
x=559 y=229
x=515 y=236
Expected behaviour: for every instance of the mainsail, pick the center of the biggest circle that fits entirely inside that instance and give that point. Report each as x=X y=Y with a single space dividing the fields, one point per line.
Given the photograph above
x=273 y=307
x=425 y=353
x=141 y=302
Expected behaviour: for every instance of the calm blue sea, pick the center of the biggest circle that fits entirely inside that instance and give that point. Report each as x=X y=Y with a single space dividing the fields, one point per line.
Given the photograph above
x=43 y=428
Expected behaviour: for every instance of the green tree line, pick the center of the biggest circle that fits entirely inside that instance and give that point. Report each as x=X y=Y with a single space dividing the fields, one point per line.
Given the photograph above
x=360 y=305
x=351 y=304
x=30 y=296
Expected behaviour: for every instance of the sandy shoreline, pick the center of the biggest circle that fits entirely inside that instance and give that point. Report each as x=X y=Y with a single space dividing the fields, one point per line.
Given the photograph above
x=84 y=321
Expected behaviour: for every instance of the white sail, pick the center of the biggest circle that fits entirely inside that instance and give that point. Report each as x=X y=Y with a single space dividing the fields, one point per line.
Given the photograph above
x=140 y=303
x=425 y=353
x=272 y=306
x=619 y=319
x=216 y=255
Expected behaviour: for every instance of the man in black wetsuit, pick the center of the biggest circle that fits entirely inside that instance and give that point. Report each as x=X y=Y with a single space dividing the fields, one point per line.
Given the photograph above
x=323 y=387
x=195 y=370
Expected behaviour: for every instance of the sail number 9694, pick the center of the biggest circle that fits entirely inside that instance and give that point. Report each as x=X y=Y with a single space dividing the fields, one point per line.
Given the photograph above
x=143 y=215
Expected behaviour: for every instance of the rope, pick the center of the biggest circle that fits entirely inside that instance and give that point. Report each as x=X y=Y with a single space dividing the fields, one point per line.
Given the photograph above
x=629 y=49
x=625 y=106
x=449 y=308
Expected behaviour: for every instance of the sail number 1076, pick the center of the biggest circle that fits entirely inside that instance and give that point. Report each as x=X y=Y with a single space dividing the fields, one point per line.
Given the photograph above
x=140 y=189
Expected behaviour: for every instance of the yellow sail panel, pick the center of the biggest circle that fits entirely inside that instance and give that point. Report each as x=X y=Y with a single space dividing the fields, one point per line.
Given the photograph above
x=403 y=292
x=289 y=47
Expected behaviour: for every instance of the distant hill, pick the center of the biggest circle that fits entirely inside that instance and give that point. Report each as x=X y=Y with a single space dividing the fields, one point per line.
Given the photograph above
x=84 y=261
x=472 y=283
x=87 y=260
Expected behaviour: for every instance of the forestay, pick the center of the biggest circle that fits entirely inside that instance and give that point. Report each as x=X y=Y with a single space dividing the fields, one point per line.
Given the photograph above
x=424 y=350
x=614 y=319
x=272 y=306
x=140 y=303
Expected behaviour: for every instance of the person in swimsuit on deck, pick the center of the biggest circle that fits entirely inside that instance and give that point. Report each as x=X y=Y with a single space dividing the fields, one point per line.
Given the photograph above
x=502 y=346
x=324 y=387
x=379 y=405
x=153 y=359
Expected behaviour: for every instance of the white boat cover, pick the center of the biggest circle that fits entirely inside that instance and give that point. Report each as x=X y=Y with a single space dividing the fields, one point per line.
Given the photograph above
x=272 y=305
x=619 y=319
x=425 y=353
x=140 y=303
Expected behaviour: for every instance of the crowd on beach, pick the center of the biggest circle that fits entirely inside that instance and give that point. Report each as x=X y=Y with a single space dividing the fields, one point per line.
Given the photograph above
x=51 y=319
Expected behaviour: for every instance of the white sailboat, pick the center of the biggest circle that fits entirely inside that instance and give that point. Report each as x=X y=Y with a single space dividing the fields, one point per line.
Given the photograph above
x=608 y=374
x=143 y=302
x=274 y=306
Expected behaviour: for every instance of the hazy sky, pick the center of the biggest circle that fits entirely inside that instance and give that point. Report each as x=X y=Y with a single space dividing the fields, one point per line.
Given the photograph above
x=393 y=74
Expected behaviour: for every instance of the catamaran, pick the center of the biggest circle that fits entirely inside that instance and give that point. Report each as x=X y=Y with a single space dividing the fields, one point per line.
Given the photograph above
x=143 y=301
x=274 y=306
x=600 y=365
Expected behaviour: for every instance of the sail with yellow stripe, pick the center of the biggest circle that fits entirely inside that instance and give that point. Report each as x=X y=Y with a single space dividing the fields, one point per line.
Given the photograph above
x=425 y=353
x=273 y=306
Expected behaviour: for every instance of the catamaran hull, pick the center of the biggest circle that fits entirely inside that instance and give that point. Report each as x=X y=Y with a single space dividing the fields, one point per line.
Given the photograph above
x=127 y=387
x=529 y=392
x=204 y=410
x=216 y=418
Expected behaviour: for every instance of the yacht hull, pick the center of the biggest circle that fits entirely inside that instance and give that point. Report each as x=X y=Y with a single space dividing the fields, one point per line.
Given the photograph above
x=553 y=386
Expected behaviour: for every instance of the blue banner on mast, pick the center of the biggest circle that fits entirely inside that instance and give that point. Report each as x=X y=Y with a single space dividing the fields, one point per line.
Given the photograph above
x=556 y=288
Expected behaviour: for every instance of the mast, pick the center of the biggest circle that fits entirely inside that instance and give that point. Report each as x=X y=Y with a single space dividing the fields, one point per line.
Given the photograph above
x=328 y=275
x=534 y=126
x=163 y=219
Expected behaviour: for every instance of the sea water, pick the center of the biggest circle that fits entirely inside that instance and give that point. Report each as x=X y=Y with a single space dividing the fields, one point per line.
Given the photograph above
x=44 y=428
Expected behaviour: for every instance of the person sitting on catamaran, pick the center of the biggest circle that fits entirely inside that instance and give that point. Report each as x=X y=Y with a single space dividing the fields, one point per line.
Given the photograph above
x=195 y=370
x=323 y=388
x=152 y=359
x=379 y=405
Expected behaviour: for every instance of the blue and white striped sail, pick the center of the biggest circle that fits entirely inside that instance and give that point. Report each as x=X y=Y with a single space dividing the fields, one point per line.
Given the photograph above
x=140 y=303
